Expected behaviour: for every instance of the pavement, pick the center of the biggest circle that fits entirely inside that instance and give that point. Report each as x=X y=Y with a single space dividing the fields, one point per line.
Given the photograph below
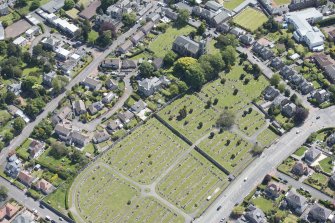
x=266 y=163
x=28 y=202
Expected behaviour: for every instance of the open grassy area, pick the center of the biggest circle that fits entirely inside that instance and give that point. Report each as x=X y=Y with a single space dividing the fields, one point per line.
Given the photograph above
x=57 y=198
x=251 y=122
x=72 y=13
x=301 y=151
x=103 y=196
x=140 y=157
x=229 y=150
x=250 y=19
x=92 y=36
x=267 y=137
x=164 y=41
x=264 y=204
x=232 y=4
x=327 y=165
x=190 y=183
x=22 y=150
x=281 y=2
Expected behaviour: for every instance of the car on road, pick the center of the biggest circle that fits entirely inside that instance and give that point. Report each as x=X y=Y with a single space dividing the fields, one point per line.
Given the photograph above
x=297 y=132
x=245 y=179
x=317 y=117
x=60 y=218
x=47 y=218
x=222 y=220
x=285 y=181
x=35 y=211
x=218 y=208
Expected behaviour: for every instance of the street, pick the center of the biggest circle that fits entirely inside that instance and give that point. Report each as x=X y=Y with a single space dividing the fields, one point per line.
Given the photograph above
x=266 y=163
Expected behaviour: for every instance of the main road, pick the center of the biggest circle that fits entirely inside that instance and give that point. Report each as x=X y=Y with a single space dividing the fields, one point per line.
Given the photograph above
x=52 y=105
x=266 y=163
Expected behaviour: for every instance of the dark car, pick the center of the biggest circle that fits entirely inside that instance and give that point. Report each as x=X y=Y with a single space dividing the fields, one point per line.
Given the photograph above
x=218 y=208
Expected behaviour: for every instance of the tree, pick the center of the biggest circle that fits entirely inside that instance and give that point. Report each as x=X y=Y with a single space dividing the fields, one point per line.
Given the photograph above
x=38 y=50
x=257 y=150
x=3 y=193
x=272 y=25
x=18 y=125
x=300 y=115
x=146 y=69
x=229 y=55
x=226 y=119
x=59 y=83
x=190 y=70
x=3 y=47
x=7 y=137
x=34 y=107
x=58 y=150
x=201 y=29
x=28 y=84
x=68 y=4
x=183 y=16
x=227 y=40
x=34 y=5
x=169 y=58
x=237 y=212
x=43 y=130
x=275 y=80
x=21 y=3
x=104 y=39
x=129 y=19
x=106 y=3
x=212 y=65
x=10 y=97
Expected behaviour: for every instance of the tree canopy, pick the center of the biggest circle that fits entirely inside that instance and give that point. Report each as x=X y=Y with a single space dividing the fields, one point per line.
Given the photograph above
x=146 y=69
x=129 y=19
x=226 y=119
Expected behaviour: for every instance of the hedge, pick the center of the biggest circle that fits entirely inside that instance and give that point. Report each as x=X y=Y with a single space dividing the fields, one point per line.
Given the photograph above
x=327 y=22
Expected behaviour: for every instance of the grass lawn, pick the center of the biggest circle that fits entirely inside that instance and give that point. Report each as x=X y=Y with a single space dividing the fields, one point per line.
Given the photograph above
x=141 y=158
x=89 y=148
x=264 y=204
x=92 y=36
x=57 y=198
x=163 y=42
x=326 y=165
x=287 y=166
x=72 y=13
x=251 y=122
x=190 y=183
x=22 y=151
x=4 y=117
x=212 y=48
x=10 y=18
x=103 y=196
x=250 y=19
x=291 y=219
x=27 y=71
x=301 y=151
x=320 y=182
x=267 y=137
x=281 y=2
x=232 y=4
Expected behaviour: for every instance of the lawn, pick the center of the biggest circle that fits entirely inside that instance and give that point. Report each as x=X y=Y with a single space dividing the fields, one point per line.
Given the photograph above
x=327 y=165
x=267 y=137
x=10 y=18
x=89 y=148
x=143 y=159
x=287 y=166
x=232 y=4
x=291 y=219
x=320 y=182
x=190 y=183
x=4 y=117
x=27 y=71
x=163 y=42
x=92 y=36
x=103 y=196
x=57 y=198
x=281 y=2
x=72 y=13
x=264 y=204
x=301 y=151
x=250 y=122
x=250 y=19
x=22 y=151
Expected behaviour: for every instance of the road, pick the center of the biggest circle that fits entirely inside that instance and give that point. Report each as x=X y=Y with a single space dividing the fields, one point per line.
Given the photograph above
x=52 y=105
x=266 y=163
x=297 y=184
x=28 y=202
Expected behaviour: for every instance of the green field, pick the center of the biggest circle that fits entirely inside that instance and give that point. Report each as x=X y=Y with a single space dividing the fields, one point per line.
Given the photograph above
x=326 y=165
x=190 y=183
x=140 y=157
x=232 y=4
x=267 y=137
x=250 y=19
x=301 y=151
x=251 y=122
x=103 y=196
x=229 y=150
x=163 y=42
x=281 y=2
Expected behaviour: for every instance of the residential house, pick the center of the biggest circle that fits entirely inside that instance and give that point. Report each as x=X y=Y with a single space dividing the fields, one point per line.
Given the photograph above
x=319 y=213
x=26 y=178
x=149 y=86
x=79 y=139
x=300 y=169
x=223 y=27
x=253 y=215
x=247 y=39
x=332 y=180
x=100 y=136
x=24 y=217
x=262 y=51
x=4 y=9
x=15 y=111
x=147 y=27
x=220 y=18
x=92 y=84
x=20 y=41
x=280 y=101
x=15 y=88
x=114 y=125
x=157 y=63
x=138 y=106
x=153 y=17
x=79 y=107
x=108 y=98
x=51 y=43
x=306 y=87
x=297 y=203
x=126 y=116
x=321 y=96
x=113 y=64
x=13 y=166
x=128 y=65
x=289 y=109
x=204 y=13
x=237 y=31
x=95 y=107
x=36 y=148
x=270 y=93
x=63 y=131
x=312 y=154
x=331 y=140
x=277 y=63
x=125 y=47
x=296 y=79
x=61 y=115
x=184 y=46
x=32 y=32
x=9 y=210
x=45 y=186
x=90 y=11
x=111 y=84
x=53 y=6
x=286 y=72
x=273 y=190
x=48 y=77
x=137 y=37
x=62 y=53
x=330 y=73
x=105 y=22
x=213 y=5
x=302 y=4
x=169 y=13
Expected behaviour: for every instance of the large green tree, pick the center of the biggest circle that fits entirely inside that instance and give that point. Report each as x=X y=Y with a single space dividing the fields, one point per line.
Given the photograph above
x=229 y=55
x=18 y=125
x=129 y=19
x=146 y=69
x=183 y=17
x=212 y=64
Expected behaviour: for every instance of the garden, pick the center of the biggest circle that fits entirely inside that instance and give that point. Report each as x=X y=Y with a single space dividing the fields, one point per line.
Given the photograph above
x=320 y=182
x=191 y=182
x=141 y=158
x=287 y=166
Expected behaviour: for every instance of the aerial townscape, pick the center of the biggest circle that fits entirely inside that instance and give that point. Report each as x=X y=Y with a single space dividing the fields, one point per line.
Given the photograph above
x=167 y=111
